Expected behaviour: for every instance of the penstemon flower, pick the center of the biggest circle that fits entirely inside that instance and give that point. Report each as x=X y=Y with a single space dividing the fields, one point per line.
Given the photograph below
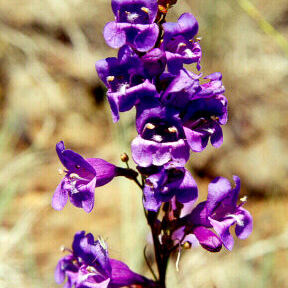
x=88 y=265
x=177 y=111
x=133 y=25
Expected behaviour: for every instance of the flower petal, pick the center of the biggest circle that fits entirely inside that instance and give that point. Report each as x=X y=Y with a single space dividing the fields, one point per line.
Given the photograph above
x=73 y=161
x=123 y=276
x=244 y=230
x=105 y=171
x=197 y=140
x=207 y=239
x=222 y=229
x=60 y=197
x=219 y=189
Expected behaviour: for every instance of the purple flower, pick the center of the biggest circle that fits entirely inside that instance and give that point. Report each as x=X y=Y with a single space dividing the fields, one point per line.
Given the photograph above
x=161 y=137
x=88 y=265
x=198 y=235
x=221 y=211
x=154 y=62
x=203 y=119
x=179 y=43
x=181 y=89
x=166 y=183
x=82 y=176
x=124 y=80
x=203 y=109
x=133 y=24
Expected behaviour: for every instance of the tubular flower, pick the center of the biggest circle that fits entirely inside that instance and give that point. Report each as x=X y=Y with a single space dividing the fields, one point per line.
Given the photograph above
x=165 y=183
x=88 y=265
x=123 y=78
x=221 y=211
x=82 y=176
x=203 y=108
x=133 y=24
x=179 y=43
x=161 y=137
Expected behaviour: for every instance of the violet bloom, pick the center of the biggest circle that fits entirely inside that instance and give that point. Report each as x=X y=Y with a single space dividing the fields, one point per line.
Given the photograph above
x=180 y=89
x=161 y=137
x=199 y=235
x=221 y=211
x=124 y=80
x=133 y=24
x=166 y=183
x=179 y=43
x=154 y=62
x=82 y=176
x=88 y=265
x=202 y=121
x=203 y=107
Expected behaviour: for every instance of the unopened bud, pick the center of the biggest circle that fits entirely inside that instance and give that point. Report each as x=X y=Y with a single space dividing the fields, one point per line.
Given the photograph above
x=124 y=157
x=162 y=9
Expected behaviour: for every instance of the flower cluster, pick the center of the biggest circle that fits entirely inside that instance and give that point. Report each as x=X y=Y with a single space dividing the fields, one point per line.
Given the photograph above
x=88 y=265
x=177 y=111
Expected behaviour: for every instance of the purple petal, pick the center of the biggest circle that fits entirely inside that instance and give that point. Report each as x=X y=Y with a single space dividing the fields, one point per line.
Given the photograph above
x=245 y=229
x=141 y=37
x=73 y=161
x=105 y=171
x=186 y=26
x=59 y=274
x=146 y=39
x=154 y=62
x=197 y=140
x=179 y=235
x=92 y=253
x=187 y=190
x=125 y=99
x=207 y=239
x=84 y=197
x=114 y=35
x=222 y=229
x=88 y=203
x=63 y=266
x=60 y=197
x=150 y=201
x=123 y=276
x=218 y=190
x=217 y=136
x=120 y=9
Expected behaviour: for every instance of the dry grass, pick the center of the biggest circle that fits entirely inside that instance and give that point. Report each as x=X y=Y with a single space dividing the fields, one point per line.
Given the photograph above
x=49 y=91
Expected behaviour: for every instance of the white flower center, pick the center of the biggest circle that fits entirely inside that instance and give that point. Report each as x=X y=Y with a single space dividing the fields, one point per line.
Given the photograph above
x=238 y=219
x=131 y=17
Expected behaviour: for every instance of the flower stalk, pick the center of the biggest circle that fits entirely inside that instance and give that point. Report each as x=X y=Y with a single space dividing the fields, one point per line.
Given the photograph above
x=178 y=112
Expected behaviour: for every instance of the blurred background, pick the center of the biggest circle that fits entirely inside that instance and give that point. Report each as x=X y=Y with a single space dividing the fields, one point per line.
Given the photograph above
x=49 y=91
